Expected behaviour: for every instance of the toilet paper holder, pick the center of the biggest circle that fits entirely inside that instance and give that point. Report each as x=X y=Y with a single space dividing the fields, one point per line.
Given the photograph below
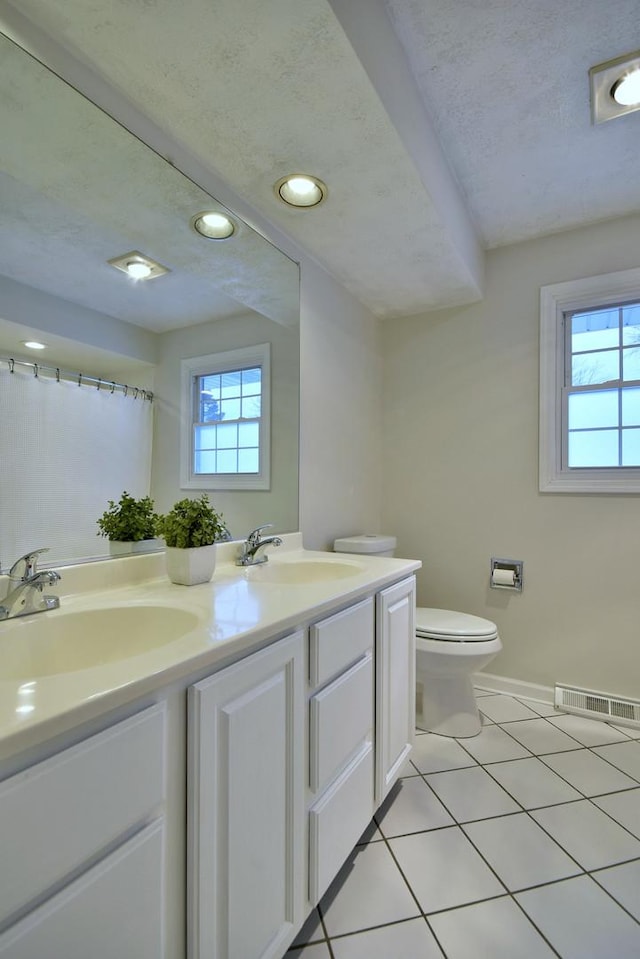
x=506 y=574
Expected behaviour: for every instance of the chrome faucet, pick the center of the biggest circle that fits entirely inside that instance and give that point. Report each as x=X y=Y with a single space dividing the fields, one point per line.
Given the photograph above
x=26 y=585
x=254 y=542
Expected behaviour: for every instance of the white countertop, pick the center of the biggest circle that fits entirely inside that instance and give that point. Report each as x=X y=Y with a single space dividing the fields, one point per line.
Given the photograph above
x=236 y=612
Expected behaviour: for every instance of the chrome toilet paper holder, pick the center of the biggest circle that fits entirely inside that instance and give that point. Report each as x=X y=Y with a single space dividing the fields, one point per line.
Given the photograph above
x=506 y=574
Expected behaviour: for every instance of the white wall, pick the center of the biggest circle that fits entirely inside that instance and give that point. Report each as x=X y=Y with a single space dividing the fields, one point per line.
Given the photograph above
x=460 y=469
x=245 y=508
x=340 y=414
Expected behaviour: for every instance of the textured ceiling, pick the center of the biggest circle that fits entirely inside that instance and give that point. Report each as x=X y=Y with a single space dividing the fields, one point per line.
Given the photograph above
x=77 y=190
x=441 y=128
x=507 y=84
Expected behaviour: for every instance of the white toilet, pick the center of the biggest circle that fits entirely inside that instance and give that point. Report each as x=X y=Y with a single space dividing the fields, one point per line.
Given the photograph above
x=450 y=647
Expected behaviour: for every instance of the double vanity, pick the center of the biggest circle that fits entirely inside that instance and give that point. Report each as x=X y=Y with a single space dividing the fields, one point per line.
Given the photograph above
x=184 y=770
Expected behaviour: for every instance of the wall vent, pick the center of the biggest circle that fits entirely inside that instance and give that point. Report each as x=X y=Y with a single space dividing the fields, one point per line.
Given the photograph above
x=586 y=702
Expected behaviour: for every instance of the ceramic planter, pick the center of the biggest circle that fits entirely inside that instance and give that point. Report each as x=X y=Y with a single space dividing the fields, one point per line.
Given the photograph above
x=188 y=567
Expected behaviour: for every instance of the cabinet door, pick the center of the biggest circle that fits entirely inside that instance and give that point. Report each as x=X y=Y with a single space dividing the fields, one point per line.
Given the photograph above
x=112 y=911
x=395 y=682
x=246 y=806
x=62 y=813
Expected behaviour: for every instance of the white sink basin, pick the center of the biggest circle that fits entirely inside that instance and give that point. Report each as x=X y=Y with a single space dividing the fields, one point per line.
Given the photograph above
x=302 y=572
x=46 y=644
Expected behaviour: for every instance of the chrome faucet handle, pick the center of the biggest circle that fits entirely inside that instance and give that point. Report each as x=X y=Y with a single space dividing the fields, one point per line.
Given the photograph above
x=27 y=566
x=254 y=536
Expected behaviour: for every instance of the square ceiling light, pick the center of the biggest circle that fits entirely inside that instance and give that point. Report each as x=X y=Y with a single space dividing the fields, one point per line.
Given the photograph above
x=138 y=266
x=615 y=87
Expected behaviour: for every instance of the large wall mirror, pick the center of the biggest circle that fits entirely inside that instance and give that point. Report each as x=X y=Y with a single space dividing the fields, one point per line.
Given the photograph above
x=76 y=190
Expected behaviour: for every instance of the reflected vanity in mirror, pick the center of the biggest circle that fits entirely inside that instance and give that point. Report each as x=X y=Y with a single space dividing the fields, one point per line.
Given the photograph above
x=77 y=190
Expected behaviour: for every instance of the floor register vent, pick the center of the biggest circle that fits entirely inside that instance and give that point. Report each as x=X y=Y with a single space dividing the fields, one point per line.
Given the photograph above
x=586 y=702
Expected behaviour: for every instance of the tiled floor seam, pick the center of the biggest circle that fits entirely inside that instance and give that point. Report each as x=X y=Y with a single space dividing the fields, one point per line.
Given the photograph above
x=609 y=816
x=528 y=812
x=611 y=896
x=507 y=892
x=582 y=798
x=381 y=925
x=552 y=752
x=636 y=779
x=581 y=872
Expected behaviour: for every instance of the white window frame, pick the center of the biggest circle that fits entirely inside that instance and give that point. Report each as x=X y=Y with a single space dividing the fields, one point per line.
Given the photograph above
x=258 y=355
x=555 y=301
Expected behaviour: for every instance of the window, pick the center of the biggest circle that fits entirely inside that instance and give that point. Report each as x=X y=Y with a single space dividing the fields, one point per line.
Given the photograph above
x=590 y=385
x=225 y=420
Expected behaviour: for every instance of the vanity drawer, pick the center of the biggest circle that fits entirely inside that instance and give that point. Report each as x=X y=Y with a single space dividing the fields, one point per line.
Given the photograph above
x=340 y=718
x=337 y=821
x=336 y=642
x=68 y=809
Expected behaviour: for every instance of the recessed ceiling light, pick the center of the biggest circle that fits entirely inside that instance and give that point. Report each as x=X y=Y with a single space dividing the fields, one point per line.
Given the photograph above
x=301 y=189
x=138 y=266
x=626 y=91
x=213 y=225
x=34 y=345
x=615 y=87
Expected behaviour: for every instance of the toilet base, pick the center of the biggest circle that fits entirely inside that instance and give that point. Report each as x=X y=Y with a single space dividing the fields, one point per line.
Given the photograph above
x=448 y=706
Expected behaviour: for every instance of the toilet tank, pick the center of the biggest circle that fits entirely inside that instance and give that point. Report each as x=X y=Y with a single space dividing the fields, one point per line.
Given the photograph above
x=373 y=544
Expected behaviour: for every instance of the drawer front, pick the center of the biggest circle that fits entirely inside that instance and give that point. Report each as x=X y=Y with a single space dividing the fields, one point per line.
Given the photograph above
x=65 y=810
x=337 y=821
x=340 y=718
x=114 y=909
x=338 y=641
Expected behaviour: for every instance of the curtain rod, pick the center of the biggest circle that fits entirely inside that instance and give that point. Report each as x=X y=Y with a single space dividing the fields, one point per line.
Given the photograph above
x=109 y=385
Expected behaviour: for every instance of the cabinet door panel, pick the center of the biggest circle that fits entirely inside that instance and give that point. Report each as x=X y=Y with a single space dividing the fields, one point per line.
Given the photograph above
x=339 y=640
x=114 y=910
x=338 y=819
x=62 y=812
x=340 y=718
x=395 y=682
x=246 y=804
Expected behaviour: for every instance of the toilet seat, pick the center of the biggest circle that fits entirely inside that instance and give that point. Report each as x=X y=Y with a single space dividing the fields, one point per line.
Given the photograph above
x=450 y=626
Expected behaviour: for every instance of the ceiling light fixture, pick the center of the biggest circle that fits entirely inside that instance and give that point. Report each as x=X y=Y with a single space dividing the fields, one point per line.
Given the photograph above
x=34 y=345
x=301 y=189
x=615 y=87
x=138 y=266
x=213 y=225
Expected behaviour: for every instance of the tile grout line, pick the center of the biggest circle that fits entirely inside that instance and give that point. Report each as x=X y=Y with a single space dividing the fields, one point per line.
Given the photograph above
x=590 y=873
x=506 y=892
x=527 y=811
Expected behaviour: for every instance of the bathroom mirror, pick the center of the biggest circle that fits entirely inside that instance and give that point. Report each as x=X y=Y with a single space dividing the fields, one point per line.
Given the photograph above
x=76 y=190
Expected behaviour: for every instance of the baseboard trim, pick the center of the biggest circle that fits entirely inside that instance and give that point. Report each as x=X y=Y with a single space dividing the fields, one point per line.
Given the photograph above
x=514 y=687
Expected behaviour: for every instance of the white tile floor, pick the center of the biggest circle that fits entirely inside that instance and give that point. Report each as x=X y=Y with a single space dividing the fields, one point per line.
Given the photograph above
x=521 y=843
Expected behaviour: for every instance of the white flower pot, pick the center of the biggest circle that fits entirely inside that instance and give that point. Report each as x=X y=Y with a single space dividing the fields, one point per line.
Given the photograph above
x=188 y=567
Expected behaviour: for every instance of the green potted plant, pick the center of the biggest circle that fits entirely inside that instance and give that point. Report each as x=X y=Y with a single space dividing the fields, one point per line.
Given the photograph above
x=191 y=530
x=129 y=524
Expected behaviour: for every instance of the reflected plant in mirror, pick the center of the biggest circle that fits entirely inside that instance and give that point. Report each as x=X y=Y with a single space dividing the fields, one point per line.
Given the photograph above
x=78 y=191
x=129 y=520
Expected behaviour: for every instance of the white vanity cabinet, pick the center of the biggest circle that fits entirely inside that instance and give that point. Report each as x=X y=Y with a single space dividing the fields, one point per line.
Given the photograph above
x=395 y=681
x=246 y=805
x=238 y=795
x=81 y=847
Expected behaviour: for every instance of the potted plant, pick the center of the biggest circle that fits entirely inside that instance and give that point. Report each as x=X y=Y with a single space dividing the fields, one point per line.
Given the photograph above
x=129 y=524
x=191 y=529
